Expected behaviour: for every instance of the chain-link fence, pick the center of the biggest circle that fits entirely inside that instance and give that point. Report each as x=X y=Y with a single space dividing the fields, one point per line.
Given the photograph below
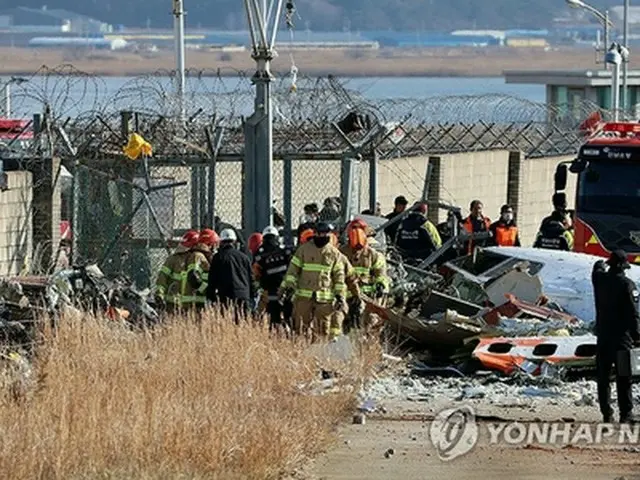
x=125 y=214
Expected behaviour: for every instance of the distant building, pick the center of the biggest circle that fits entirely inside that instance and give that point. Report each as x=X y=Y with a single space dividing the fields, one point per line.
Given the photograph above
x=46 y=20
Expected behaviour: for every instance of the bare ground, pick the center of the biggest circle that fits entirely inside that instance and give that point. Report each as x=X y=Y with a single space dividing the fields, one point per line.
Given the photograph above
x=477 y=62
x=359 y=450
x=359 y=454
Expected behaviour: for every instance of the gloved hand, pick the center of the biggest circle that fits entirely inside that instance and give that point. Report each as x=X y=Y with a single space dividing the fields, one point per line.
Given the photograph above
x=338 y=304
x=380 y=290
x=356 y=305
x=194 y=279
x=286 y=294
x=160 y=302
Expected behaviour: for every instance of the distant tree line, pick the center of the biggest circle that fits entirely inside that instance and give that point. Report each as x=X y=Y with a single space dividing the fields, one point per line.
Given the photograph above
x=353 y=15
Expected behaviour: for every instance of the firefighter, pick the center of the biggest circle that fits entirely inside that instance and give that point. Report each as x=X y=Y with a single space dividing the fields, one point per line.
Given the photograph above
x=370 y=267
x=316 y=281
x=171 y=282
x=230 y=277
x=211 y=239
x=504 y=232
x=269 y=269
x=417 y=237
x=254 y=243
x=198 y=261
x=306 y=227
x=554 y=234
x=353 y=307
x=617 y=329
x=200 y=277
x=476 y=222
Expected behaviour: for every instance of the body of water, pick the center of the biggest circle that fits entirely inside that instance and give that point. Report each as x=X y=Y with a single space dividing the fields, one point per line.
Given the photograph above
x=73 y=96
x=377 y=88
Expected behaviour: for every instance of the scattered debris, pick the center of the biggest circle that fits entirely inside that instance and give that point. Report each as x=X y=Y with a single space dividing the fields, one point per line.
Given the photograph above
x=359 y=419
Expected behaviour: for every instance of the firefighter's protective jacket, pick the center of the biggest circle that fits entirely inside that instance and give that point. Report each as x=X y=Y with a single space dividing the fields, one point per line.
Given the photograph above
x=351 y=277
x=317 y=273
x=197 y=275
x=370 y=267
x=172 y=276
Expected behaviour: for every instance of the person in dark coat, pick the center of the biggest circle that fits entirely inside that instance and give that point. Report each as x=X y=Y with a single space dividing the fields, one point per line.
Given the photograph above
x=616 y=298
x=269 y=268
x=554 y=234
x=230 y=277
x=399 y=206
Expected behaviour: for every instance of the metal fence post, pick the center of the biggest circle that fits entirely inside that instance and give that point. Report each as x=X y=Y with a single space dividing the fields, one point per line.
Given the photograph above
x=287 y=184
x=249 y=181
x=346 y=186
x=202 y=188
x=373 y=181
x=195 y=197
x=76 y=219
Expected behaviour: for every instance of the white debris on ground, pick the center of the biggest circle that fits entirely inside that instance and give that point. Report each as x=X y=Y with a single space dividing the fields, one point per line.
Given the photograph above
x=490 y=389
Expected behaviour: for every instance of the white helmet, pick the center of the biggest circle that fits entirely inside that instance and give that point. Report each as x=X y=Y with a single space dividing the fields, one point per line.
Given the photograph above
x=270 y=230
x=228 y=235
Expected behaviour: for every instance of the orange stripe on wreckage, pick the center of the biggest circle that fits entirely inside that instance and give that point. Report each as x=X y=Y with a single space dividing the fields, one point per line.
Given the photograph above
x=529 y=353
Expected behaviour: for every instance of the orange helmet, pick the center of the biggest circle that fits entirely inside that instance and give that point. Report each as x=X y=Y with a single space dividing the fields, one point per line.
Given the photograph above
x=190 y=239
x=209 y=237
x=357 y=223
x=306 y=235
x=254 y=242
x=357 y=237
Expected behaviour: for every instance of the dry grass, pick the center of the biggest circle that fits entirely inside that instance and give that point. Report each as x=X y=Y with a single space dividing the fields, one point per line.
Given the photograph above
x=474 y=62
x=186 y=401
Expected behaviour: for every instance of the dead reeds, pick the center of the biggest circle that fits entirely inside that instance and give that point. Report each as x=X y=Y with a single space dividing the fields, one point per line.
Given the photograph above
x=186 y=400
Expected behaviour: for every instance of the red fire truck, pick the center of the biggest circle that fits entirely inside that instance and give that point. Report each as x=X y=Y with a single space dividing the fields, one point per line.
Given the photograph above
x=607 y=201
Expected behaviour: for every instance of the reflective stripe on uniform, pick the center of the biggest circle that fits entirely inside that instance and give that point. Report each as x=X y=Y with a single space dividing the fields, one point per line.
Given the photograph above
x=316 y=267
x=290 y=281
x=274 y=270
x=320 y=295
x=296 y=261
x=362 y=270
x=193 y=299
x=335 y=331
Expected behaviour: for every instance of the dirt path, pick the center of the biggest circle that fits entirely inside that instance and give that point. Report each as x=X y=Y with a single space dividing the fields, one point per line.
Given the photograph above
x=360 y=454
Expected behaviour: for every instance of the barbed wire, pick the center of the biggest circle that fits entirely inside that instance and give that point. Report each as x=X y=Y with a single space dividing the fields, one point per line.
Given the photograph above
x=88 y=108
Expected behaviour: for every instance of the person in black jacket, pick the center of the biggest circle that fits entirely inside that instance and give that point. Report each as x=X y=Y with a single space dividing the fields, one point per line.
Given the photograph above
x=399 y=206
x=617 y=329
x=554 y=234
x=269 y=268
x=230 y=282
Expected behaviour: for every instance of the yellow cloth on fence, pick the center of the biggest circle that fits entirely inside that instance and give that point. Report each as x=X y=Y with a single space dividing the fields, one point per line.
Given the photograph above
x=137 y=146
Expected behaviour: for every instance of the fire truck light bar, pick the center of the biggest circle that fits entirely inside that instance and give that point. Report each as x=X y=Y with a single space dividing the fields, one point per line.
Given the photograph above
x=625 y=127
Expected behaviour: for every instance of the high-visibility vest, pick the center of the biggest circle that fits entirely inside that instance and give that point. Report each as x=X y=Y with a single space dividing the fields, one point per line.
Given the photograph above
x=468 y=226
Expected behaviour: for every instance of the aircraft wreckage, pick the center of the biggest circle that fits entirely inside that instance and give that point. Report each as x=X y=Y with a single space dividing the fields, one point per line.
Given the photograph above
x=506 y=308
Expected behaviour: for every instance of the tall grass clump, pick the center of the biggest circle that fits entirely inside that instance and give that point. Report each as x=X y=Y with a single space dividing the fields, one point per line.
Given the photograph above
x=184 y=400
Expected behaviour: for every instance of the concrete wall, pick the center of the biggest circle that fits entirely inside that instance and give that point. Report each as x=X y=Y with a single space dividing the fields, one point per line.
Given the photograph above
x=494 y=177
x=536 y=190
x=16 y=233
x=457 y=179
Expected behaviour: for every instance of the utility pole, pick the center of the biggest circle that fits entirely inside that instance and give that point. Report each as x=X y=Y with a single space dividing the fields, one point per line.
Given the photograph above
x=625 y=65
x=178 y=26
x=615 y=58
x=258 y=128
x=606 y=37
